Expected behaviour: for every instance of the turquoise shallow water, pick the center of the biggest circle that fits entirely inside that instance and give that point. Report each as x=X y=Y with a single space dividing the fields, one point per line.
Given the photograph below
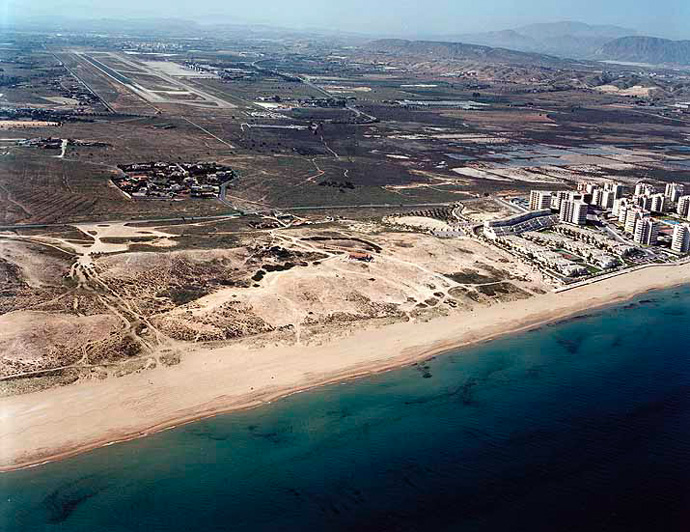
x=583 y=425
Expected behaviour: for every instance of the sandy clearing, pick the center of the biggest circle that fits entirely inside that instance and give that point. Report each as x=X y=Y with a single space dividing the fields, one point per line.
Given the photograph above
x=419 y=222
x=635 y=90
x=98 y=232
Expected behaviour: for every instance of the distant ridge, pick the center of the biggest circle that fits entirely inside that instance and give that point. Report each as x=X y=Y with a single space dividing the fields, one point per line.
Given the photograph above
x=563 y=39
x=646 y=50
x=458 y=51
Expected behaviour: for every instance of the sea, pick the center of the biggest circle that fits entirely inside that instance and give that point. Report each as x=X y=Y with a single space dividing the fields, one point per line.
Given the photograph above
x=580 y=425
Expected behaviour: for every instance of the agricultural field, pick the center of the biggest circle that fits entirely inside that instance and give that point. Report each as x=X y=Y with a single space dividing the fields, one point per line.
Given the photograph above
x=318 y=128
x=47 y=190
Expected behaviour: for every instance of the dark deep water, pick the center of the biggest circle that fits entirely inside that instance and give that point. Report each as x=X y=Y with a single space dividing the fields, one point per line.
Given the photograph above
x=583 y=425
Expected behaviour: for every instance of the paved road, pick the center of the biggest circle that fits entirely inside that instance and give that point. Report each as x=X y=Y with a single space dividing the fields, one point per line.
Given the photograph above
x=512 y=206
x=364 y=206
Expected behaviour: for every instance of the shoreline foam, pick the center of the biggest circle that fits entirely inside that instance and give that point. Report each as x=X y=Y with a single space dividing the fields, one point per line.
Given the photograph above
x=59 y=423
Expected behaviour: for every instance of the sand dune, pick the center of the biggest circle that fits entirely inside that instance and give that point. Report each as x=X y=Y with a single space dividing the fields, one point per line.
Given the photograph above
x=64 y=421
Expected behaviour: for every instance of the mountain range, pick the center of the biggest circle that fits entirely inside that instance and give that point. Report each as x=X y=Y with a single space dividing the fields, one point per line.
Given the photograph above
x=564 y=39
x=456 y=51
x=650 y=50
x=545 y=41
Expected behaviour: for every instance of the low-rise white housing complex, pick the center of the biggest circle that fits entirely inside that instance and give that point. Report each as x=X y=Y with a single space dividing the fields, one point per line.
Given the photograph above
x=596 y=239
x=588 y=252
x=544 y=256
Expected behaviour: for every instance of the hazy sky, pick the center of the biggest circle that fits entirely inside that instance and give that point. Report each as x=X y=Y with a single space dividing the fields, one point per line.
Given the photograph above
x=410 y=17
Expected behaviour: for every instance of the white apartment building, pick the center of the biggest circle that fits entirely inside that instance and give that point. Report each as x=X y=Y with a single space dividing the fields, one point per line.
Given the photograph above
x=620 y=204
x=615 y=188
x=644 y=202
x=539 y=200
x=646 y=231
x=631 y=217
x=557 y=198
x=657 y=203
x=597 y=195
x=674 y=191
x=683 y=208
x=607 y=199
x=681 y=239
x=644 y=189
x=574 y=212
x=623 y=213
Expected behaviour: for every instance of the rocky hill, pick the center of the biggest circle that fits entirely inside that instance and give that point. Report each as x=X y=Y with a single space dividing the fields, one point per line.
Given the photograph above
x=646 y=50
x=563 y=39
x=456 y=51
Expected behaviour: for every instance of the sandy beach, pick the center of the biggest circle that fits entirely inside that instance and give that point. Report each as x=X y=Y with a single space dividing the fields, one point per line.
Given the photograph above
x=61 y=422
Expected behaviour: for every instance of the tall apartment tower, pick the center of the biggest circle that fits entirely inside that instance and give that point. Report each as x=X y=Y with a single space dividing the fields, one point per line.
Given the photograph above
x=631 y=218
x=681 y=239
x=644 y=189
x=683 y=208
x=674 y=191
x=607 y=199
x=574 y=212
x=657 y=203
x=618 y=205
x=557 y=198
x=580 y=211
x=597 y=194
x=643 y=201
x=539 y=200
x=623 y=212
x=615 y=188
x=646 y=231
